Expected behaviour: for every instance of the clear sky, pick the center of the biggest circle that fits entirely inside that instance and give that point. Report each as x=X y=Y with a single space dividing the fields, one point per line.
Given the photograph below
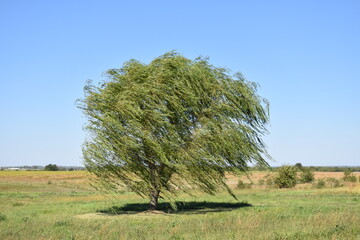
x=304 y=54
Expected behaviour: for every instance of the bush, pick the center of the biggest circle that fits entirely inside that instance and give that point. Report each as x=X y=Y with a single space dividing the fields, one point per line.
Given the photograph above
x=266 y=180
x=261 y=182
x=242 y=185
x=349 y=177
x=269 y=180
x=307 y=175
x=320 y=183
x=333 y=182
x=286 y=177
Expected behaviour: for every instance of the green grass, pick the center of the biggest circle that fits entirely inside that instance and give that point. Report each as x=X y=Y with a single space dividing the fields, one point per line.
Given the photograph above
x=50 y=211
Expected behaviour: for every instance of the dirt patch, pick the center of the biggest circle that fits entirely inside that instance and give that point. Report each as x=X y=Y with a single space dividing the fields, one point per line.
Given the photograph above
x=96 y=216
x=152 y=212
x=114 y=216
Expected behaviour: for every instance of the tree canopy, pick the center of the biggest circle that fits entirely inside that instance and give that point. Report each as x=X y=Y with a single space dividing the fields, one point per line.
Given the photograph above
x=172 y=124
x=51 y=167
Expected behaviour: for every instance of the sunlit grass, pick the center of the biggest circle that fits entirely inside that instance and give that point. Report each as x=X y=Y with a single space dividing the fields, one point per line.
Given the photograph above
x=38 y=210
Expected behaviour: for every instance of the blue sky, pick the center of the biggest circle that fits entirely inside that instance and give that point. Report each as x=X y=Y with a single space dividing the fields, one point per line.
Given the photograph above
x=304 y=54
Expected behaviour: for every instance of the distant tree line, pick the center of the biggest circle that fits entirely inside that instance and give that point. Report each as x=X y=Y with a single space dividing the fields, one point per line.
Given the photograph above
x=49 y=167
x=254 y=168
x=54 y=167
x=335 y=169
x=313 y=168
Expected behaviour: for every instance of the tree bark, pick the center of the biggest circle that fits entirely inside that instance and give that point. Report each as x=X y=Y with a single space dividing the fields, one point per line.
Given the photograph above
x=154 y=197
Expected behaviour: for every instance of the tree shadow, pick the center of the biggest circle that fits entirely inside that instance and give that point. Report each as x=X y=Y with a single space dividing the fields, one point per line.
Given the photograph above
x=182 y=207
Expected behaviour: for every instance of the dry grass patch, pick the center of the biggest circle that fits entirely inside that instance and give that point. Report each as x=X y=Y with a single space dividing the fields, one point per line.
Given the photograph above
x=76 y=177
x=337 y=175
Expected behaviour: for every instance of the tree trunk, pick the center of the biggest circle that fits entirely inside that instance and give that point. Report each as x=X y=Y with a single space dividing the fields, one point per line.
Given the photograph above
x=154 y=197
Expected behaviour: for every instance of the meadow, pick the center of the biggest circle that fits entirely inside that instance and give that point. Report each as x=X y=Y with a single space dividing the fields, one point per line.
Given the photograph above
x=62 y=205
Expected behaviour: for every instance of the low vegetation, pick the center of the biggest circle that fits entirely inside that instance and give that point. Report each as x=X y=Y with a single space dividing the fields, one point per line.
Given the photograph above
x=349 y=176
x=242 y=185
x=286 y=177
x=307 y=175
x=68 y=208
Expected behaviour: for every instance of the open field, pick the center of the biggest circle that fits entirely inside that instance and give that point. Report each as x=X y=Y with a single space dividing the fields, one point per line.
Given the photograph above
x=62 y=205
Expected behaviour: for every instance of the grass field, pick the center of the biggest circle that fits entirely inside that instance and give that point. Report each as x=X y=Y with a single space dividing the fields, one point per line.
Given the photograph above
x=62 y=205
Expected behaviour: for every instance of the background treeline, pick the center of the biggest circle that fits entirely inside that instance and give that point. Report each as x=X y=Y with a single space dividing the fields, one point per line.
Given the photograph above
x=54 y=167
x=49 y=167
x=313 y=168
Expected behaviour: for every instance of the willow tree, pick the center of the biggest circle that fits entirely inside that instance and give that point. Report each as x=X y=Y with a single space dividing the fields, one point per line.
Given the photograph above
x=171 y=125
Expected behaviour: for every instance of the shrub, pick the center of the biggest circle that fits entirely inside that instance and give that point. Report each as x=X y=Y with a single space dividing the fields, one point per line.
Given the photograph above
x=266 y=180
x=286 y=177
x=320 y=183
x=307 y=175
x=351 y=178
x=261 y=182
x=269 y=180
x=333 y=182
x=242 y=185
x=348 y=176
